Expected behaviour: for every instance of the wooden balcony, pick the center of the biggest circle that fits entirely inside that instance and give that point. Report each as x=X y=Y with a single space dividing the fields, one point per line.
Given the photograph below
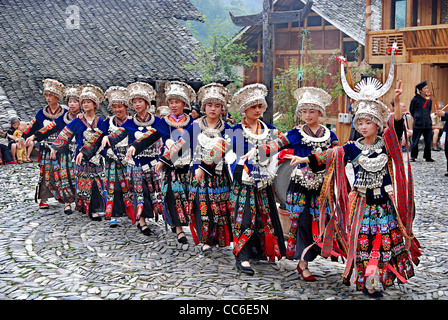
x=427 y=44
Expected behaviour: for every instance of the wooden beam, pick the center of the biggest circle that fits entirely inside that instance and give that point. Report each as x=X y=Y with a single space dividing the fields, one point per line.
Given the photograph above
x=288 y=16
x=247 y=21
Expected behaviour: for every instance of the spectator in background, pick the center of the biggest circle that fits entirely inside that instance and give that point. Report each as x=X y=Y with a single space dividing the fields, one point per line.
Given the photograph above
x=195 y=112
x=406 y=118
x=21 y=150
x=437 y=127
x=5 y=153
x=420 y=110
x=444 y=117
x=13 y=140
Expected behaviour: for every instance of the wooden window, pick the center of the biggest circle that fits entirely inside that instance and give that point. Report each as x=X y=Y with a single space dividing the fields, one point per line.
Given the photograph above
x=350 y=50
x=398 y=14
x=314 y=21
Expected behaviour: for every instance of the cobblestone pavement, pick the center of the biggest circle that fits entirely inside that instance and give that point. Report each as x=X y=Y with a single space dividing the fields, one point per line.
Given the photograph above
x=48 y=255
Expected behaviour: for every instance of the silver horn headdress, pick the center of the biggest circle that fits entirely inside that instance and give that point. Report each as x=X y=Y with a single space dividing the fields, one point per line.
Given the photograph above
x=366 y=95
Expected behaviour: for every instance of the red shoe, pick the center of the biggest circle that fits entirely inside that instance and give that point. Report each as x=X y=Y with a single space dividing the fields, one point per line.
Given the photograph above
x=44 y=205
x=11 y=162
x=309 y=278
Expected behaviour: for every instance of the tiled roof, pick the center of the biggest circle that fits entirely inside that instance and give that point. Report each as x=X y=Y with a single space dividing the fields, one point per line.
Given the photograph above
x=349 y=15
x=115 y=43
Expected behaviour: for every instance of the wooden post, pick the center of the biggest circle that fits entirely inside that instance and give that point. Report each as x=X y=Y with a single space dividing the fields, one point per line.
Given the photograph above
x=268 y=60
x=368 y=29
x=268 y=18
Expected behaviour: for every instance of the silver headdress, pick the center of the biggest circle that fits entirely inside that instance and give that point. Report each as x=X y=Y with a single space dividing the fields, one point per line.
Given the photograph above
x=117 y=95
x=250 y=95
x=54 y=87
x=368 y=90
x=214 y=92
x=312 y=98
x=180 y=90
x=73 y=91
x=93 y=93
x=163 y=111
x=140 y=90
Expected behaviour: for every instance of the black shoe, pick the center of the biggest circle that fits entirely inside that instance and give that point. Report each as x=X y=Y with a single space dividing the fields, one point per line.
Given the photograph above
x=68 y=209
x=446 y=174
x=373 y=295
x=207 y=250
x=243 y=269
x=430 y=160
x=412 y=159
x=146 y=231
x=182 y=239
x=94 y=218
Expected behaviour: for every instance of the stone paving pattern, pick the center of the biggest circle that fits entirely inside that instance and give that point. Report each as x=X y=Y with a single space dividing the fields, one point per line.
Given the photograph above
x=48 y=255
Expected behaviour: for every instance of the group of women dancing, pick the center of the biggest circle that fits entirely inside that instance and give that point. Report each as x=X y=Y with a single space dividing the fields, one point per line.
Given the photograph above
x=218 y=180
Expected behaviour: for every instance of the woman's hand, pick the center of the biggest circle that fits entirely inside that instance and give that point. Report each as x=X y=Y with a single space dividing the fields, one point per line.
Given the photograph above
x=158 y=167
x=130 y=153
x=52 y=153
x=200 y=175
x=296 y=160
x=398 y=114
x=79 y=158
x=105 y=142
x=249 y=155
x=30 y=140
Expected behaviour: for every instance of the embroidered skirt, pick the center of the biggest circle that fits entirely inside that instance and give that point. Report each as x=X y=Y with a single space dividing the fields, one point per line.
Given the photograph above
x=90 y=187
x=303 y=207
x=209 y=210
x=380 y=242
x=146 y=192
x=118 y=195
x=175 y=188
x=57 y=176
x=257 y=231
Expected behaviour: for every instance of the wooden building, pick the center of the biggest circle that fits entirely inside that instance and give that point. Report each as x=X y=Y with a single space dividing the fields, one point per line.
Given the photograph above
x=420 y=27
x=334 y=27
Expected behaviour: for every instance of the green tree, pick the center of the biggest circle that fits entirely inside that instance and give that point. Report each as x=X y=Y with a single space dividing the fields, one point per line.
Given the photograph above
x=219 y=57
x=216 y=15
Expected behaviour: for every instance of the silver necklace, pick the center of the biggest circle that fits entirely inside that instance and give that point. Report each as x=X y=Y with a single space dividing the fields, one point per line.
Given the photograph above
x=143 y=125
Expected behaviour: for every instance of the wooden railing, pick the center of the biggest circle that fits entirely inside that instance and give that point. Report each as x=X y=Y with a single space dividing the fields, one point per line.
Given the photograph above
x=427 y=44
x=417 y=44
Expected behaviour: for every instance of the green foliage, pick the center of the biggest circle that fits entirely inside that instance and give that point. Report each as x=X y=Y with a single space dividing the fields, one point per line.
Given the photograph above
x=284 y=102
x=216 y=15
x=315 y=73
x=218 y=57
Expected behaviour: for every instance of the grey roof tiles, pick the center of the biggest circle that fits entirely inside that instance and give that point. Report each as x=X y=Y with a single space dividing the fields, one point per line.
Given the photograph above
x=108 y=43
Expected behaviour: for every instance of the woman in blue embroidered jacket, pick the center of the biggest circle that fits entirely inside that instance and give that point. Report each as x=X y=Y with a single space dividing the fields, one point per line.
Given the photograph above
x=257 y=232
x=144 y=182
x=306 y=181
x=67 y=179
x=49 y=184
x=176 y=178
x=208 y=203
x=89 y=182
x=118 y=196
x=376 y=217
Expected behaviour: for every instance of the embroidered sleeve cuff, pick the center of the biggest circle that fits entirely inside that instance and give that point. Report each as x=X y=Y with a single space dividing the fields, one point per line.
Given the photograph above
x=149 y=138
x=314 y=164
x=46 y=131
x=318 y=159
